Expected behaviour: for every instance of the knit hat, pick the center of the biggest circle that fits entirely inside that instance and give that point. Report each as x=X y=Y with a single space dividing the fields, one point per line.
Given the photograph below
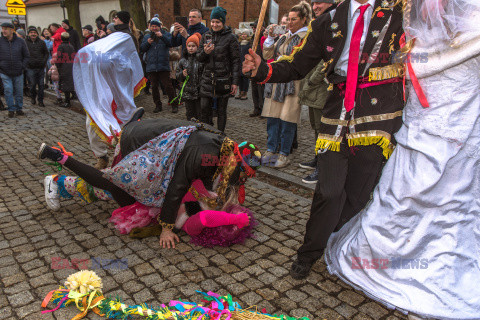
x=32 y=28
x=251 y=154
x=21 y=32
x=156 y=22
x=111 y=27
x=88 y=27
x=195 y=38
x=67 y=22
x=8 y=25
x=219 y=13
x=65 y=36
x=124 y=16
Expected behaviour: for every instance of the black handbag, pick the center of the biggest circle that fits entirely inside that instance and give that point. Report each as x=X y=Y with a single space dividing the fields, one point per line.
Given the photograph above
x=221 y=86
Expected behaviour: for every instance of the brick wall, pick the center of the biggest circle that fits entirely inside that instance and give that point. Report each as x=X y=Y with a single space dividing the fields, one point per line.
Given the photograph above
x=237 y=10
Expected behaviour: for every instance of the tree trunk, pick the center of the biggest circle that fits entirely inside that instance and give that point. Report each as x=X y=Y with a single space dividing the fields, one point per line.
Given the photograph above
x=135 y=8
x=73 y=10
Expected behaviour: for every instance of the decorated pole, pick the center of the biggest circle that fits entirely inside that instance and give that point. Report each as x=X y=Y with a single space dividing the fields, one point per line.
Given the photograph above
x=258 y=32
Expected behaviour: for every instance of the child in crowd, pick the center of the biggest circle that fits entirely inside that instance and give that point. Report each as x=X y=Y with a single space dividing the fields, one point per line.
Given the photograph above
x=54 y=76
x=189 y=69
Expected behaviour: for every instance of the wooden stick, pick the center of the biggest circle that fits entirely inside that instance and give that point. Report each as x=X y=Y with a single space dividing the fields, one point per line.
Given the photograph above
x=258 y=32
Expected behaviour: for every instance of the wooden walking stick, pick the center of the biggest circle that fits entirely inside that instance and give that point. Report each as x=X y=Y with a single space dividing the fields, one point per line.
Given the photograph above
x=258 y=32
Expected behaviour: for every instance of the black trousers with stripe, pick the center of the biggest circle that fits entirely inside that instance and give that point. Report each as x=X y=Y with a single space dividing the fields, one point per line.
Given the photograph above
x=345 y=182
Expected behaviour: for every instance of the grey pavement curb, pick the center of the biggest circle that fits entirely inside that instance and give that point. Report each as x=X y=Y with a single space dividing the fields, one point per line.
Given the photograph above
x=270 y=172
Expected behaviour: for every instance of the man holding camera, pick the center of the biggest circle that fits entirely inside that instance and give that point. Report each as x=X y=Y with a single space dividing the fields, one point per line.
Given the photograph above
x=156 y=45
x=180 y=34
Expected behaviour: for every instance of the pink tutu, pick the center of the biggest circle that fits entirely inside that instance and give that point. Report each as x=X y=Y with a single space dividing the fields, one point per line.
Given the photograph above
x=136 y=215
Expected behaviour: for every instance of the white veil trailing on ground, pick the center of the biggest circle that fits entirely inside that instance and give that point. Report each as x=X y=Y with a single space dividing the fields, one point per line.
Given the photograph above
x=435 y=21
x=108 y=75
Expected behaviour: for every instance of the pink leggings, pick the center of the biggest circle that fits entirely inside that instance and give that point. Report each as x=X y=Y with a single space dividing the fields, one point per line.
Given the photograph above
x=211 y=219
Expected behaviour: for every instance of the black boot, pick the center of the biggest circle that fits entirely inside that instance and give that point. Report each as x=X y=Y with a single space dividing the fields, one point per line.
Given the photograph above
x=158 y=108
x=2 y=107
x=311 y=178
x=34 y=101
x=300 y=270
x=46 y=152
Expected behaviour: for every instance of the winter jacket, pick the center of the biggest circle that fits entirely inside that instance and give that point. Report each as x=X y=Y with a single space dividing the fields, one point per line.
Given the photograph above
x=179 y=40
x=244 y=49
x=223 y=62
x=13 y=56
x=74 y=39
x=157 y=53
x=57 y=39
x=64 y=63
x=314 y=88
x=88 y=39
x=194 y=70
x=53 y=73
x=126 y=29
x=39 y=53
x=189 y=165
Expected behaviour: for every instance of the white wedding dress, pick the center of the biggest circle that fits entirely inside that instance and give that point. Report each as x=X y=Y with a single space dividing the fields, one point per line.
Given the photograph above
x=425 y=213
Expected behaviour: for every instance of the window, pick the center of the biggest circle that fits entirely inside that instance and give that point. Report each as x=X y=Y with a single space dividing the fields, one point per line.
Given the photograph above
x=209 y=4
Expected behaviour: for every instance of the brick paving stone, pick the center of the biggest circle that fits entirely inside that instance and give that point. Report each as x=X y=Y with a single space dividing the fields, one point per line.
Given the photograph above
x=373 y=310
x=351 y=297
x=20 y=299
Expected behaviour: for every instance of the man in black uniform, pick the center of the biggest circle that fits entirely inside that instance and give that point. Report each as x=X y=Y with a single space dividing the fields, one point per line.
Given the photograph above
x=357 y=41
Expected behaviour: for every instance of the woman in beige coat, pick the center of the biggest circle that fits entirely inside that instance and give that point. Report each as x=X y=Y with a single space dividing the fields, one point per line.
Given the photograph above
x=281 y=105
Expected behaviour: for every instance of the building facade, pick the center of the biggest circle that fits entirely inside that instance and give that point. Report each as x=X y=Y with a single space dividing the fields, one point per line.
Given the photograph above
x=41 y=13
x=237 y=10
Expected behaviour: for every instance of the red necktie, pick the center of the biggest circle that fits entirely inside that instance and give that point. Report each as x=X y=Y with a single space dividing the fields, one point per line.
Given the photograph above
x=354 y=56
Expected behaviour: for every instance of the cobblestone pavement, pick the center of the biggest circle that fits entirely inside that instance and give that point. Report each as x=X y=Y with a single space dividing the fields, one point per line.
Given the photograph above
x=255 y=273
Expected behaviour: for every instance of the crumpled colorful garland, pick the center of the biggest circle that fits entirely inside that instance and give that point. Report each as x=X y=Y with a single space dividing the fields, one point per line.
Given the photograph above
x=216 y=307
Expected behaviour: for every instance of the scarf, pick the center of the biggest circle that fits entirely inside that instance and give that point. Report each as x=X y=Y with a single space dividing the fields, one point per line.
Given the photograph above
x=283 y=89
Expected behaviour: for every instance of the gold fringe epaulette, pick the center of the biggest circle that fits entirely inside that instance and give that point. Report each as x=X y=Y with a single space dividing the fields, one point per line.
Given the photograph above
x=325 y=142
x=365 y=140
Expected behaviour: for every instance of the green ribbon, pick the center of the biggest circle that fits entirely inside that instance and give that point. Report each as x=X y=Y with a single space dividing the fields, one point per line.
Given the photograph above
x=55 y=165
x=180 y=95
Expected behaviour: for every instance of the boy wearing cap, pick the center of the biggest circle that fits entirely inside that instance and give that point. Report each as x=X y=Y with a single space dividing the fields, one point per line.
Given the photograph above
x=13 y=61
x=37 y=63
x=190 y=67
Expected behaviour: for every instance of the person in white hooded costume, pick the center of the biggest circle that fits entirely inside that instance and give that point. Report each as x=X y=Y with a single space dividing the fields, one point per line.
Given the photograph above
x=108 y=75
x=416 y=245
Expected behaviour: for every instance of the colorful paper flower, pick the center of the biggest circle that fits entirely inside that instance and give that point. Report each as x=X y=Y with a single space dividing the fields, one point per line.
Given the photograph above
x=334 y=26
x=385 y=4
x=84 y=281
x=329 y=49
x=374 y=101
x=375 y=33
x=380 y=14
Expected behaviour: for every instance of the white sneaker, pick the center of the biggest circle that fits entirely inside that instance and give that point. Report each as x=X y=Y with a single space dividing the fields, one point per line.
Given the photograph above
x=282 y=161
x=51 y=193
